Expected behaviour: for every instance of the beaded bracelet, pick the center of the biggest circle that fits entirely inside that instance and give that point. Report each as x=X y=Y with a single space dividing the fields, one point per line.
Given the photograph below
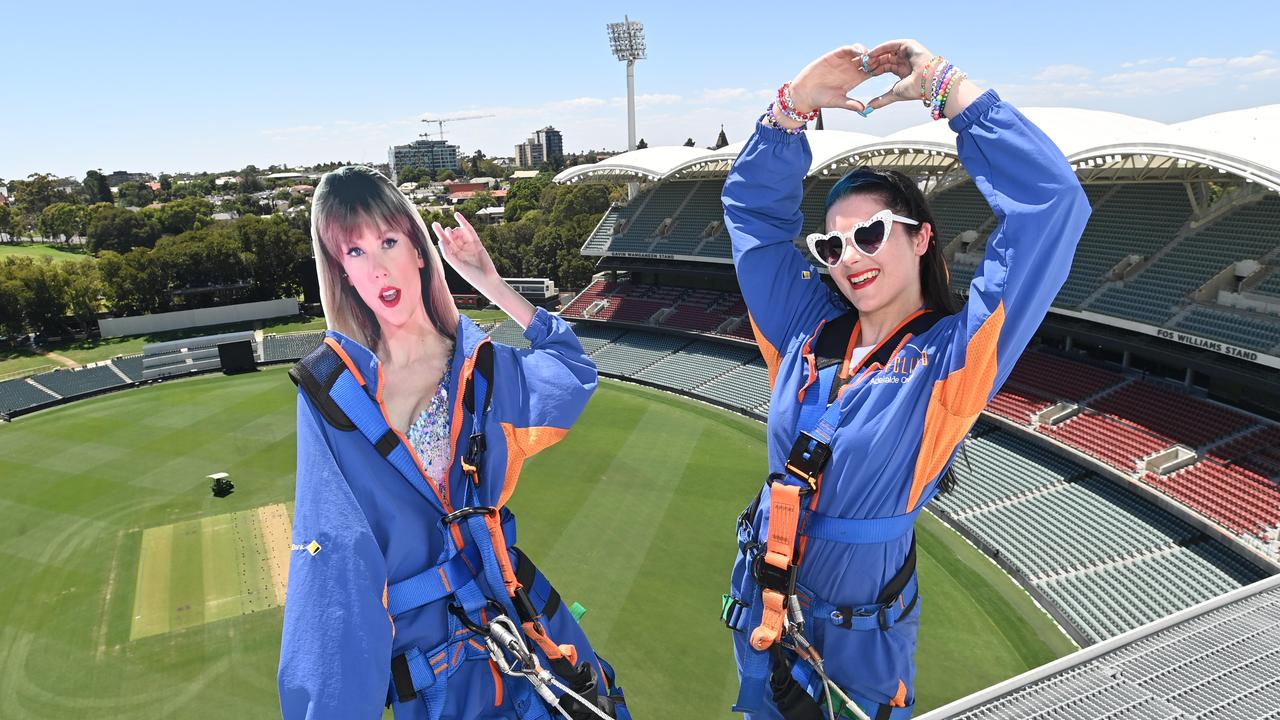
x=940 y=92
x=924 y=78
x=940 y=79
x=788 y=108
x=952 y=83
x=771 y=120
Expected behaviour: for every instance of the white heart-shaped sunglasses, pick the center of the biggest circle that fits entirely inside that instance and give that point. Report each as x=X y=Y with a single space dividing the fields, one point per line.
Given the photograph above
x=867 y=236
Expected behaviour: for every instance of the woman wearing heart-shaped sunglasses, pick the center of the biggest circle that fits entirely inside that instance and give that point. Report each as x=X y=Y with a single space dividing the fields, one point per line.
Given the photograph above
x=876 y=382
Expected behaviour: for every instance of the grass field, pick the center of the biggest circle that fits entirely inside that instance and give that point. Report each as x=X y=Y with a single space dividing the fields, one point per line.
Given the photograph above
x=632 y=515
x=56 y=251
x=187 y=571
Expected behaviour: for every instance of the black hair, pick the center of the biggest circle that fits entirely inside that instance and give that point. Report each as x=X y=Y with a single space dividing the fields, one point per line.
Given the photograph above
x=901 y=195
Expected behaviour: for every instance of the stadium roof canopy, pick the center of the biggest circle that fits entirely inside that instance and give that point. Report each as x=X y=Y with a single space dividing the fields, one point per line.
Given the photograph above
x=650 y=164
x=1102 y=146
x=1212 y=660
x=1243 y=143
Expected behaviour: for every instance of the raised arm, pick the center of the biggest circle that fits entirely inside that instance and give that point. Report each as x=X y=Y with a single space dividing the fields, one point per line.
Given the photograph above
x=782 y=289
x=539 y=392
x=463 y=250
x=1041 y=211
x=1038 y=202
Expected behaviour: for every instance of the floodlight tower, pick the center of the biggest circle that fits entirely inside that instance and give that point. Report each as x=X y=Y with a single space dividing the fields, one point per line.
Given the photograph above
x=626 y=39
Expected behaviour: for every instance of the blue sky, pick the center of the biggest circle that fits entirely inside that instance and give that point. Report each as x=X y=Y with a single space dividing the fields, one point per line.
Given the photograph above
x=148 y=86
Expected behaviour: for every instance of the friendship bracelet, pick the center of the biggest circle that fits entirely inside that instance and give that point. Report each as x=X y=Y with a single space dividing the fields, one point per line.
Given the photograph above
x=771 y=120
x=787 y=106
x=955 y=83
x=924 y=78
x=952 y=83
x=940 y=79
x=941 y=82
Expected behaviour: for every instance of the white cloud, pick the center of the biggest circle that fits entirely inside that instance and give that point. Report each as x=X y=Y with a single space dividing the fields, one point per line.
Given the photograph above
x=652 y=100
x=1263 y=74
x=1066 y=84
x=1148 y=61
x=723 y=94
x=1260 y=59
x=1050 y=93
x=584 y=102
x=1164 y=80
x=1064 y=73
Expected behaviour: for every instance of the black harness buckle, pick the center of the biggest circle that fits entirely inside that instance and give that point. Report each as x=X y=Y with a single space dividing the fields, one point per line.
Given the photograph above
x=774 y=578
x=809 y=456
x=475 y=448
x=524 y=605
x=731 y=612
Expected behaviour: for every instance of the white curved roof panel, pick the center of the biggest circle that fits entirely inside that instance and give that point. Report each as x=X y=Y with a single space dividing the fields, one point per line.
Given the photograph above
x=1241 y=142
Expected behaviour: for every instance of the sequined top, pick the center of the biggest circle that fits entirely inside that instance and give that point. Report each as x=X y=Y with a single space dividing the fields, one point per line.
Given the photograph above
x=429 y=434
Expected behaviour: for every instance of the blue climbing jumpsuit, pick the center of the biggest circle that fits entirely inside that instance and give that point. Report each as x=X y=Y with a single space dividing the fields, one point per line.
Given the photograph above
x=902 y=423
x=374 y=525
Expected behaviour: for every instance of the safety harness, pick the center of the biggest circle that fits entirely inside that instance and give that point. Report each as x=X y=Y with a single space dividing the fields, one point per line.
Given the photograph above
x=479 y=627
x=771 y=607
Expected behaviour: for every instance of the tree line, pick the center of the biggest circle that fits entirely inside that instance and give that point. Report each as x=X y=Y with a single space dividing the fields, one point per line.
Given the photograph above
x=62 y=208
x=251 y=258
x=543 y=230
x=175 y=256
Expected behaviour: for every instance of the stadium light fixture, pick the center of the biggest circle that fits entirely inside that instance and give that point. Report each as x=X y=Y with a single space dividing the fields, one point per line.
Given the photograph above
x=626 y=40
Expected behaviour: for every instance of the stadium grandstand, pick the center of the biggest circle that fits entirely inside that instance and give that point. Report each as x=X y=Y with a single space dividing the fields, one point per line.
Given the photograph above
x=22 y=395
x=1214 y=660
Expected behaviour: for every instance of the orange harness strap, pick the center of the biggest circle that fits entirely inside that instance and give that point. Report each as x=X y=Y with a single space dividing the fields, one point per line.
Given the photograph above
x=533 y=626
x=784 y=516
x=499 y=540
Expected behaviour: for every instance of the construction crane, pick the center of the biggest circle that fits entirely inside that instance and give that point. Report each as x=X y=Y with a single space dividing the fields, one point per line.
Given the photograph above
x=441 y=121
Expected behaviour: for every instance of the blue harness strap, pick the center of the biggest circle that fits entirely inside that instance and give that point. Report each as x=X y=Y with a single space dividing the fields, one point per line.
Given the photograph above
x=859 y=531
x=346 y=404
x=756 y=664
x=876 y=616
x=819 y=416
x=815 y=405
x=442 y=580
x=427 y=675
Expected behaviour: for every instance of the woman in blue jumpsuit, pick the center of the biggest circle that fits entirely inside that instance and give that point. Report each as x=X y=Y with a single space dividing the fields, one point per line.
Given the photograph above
x=386 y=589
x=893 y=425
